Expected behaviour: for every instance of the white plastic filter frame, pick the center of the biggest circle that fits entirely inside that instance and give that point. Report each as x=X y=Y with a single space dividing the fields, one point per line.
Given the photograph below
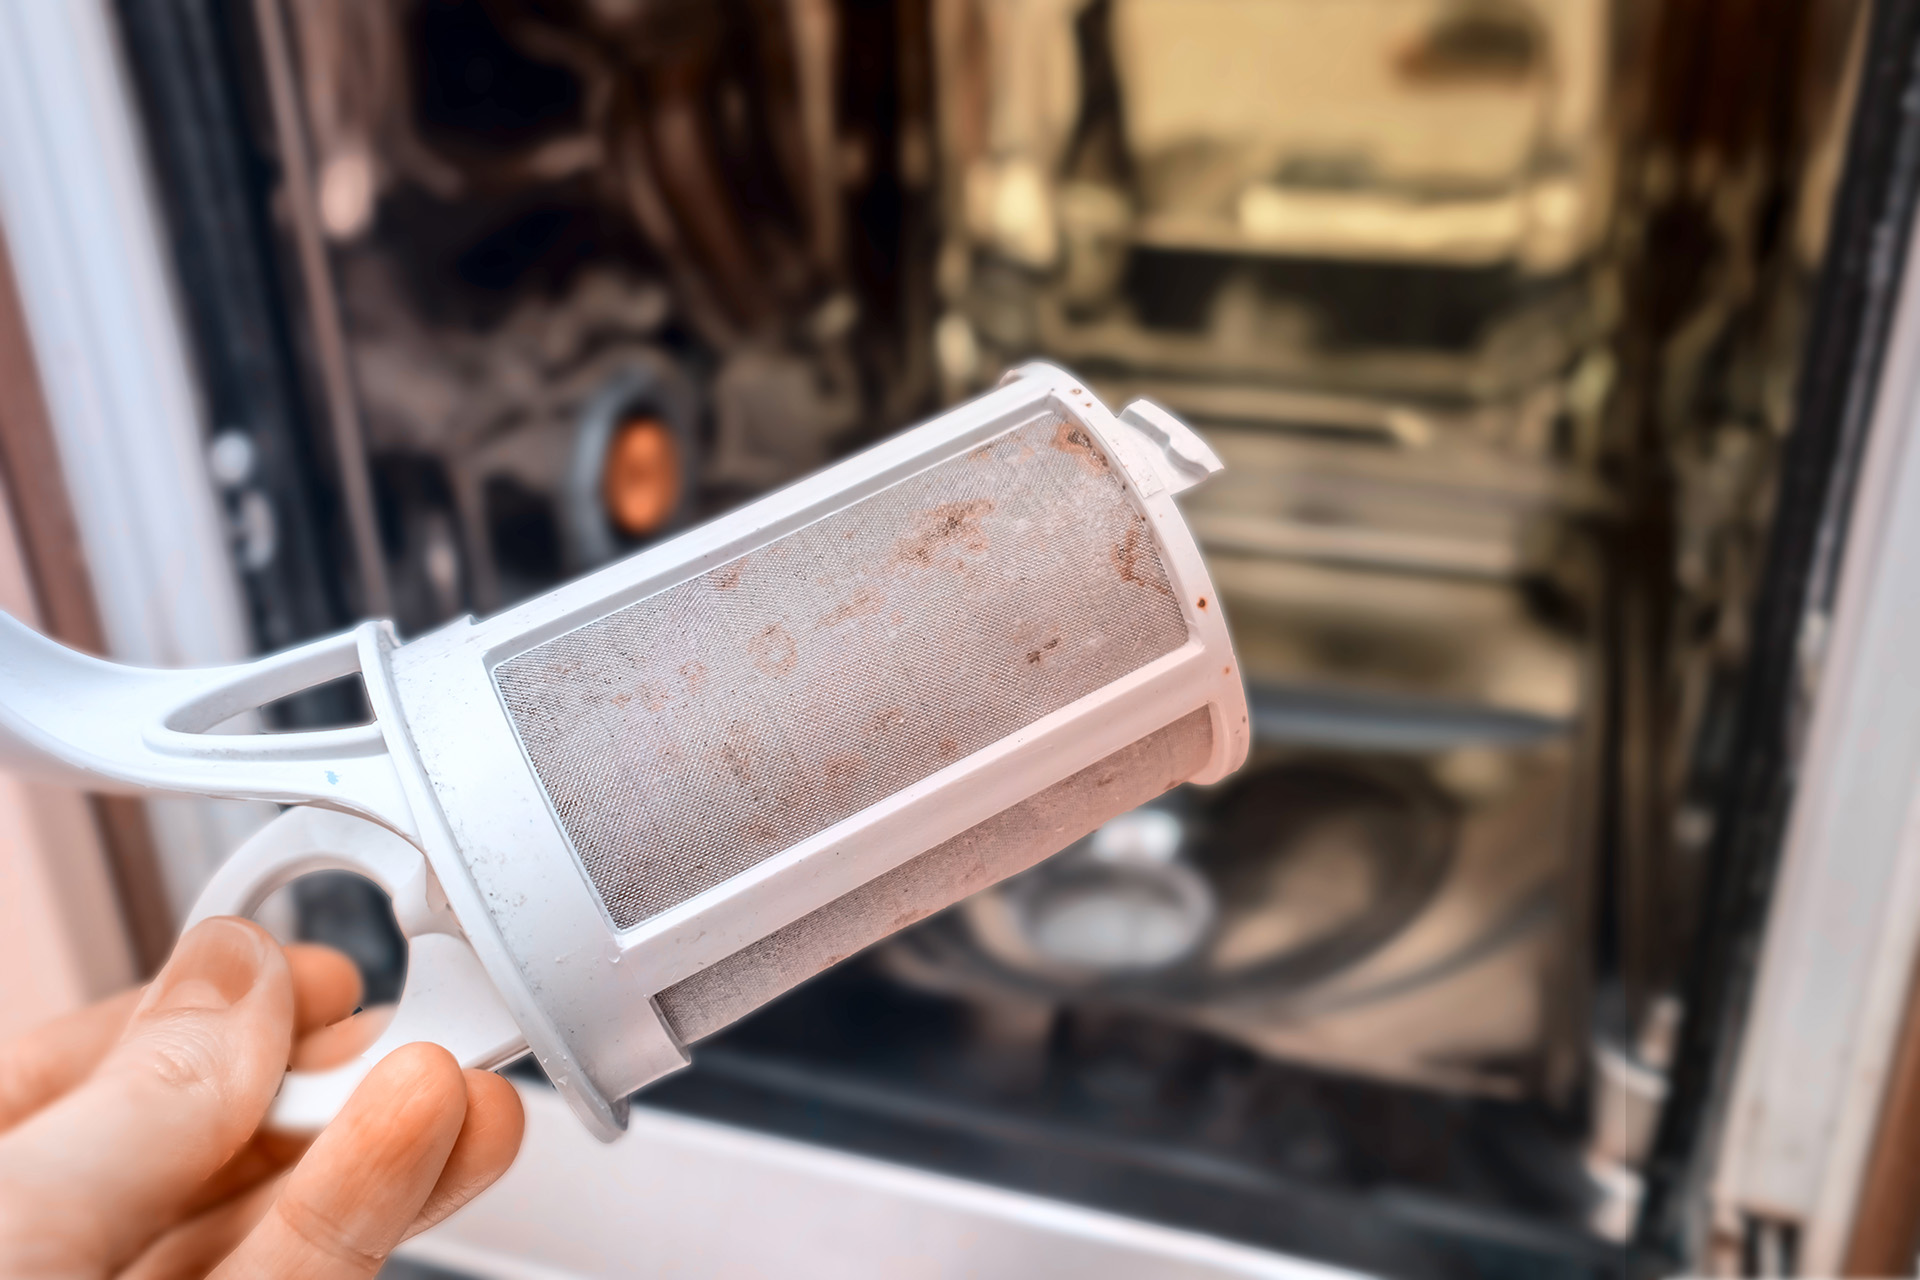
x=554 y=974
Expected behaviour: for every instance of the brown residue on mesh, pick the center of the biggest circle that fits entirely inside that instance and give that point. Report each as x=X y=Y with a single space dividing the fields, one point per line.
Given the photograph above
x=727 y=576
x=649 y=696
x=1036 y=656
x=739 y=750
x=949 y=527
x=891 y=718
x=1071 y=438
x=864 y=603
x=694 y=673
x=773 y=651
x=843 y=770
x=1127 y=557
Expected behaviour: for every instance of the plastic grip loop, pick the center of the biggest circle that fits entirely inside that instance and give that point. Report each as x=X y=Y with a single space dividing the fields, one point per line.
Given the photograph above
x=447 y=998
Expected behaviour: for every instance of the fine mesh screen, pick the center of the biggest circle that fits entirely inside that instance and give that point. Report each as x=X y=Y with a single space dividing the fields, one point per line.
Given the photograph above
x=1005 y=844
x=694 y=734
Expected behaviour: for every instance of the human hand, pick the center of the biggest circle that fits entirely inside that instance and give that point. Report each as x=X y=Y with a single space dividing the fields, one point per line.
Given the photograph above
x=130 y=1140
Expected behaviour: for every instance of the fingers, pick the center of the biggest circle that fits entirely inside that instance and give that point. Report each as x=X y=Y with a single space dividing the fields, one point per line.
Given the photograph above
x=327 y=990
x=45 y=1063
x=267 y=1155
x=332 y=1045
x=112 y=1163
x=326 y=986
x=488 y=1142
x=196 y=1246
x=367 y=1177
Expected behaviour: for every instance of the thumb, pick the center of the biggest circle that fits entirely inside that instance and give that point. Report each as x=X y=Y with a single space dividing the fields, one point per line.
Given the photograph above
x=114 y=1162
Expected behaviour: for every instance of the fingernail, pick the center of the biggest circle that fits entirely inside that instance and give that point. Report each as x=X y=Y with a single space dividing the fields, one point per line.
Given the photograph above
x=214 y=965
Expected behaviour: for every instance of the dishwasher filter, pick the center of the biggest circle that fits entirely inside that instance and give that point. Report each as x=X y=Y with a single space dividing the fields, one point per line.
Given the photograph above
x=618 y=817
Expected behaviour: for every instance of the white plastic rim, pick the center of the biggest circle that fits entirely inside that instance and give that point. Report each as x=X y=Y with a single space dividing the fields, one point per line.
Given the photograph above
x=447 y=999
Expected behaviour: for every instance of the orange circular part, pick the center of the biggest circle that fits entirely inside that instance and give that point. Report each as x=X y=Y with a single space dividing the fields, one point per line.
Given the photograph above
x=641 y=483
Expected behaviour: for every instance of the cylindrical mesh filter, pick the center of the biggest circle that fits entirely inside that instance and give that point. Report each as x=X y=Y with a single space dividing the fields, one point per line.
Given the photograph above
x=758 y=748
x=694 y=734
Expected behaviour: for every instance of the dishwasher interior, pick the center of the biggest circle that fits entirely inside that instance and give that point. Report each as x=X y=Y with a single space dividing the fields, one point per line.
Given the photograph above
x=1492 y=308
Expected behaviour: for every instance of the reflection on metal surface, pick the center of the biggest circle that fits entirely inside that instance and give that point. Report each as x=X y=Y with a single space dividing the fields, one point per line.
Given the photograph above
x=1239 y=189
x=1122 y=902
x=1364 y=722
x=1115 y=918
x=1387 y=912
x=530 y=205
x=1358 y=246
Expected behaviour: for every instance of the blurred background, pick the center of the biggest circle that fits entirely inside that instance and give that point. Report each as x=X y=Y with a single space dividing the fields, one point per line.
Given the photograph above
x=1506 y=316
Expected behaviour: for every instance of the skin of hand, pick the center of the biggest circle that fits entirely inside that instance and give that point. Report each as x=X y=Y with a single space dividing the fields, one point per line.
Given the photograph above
x=130 y=1140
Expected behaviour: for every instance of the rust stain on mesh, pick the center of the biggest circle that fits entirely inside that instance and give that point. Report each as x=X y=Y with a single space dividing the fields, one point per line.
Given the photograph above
x=1138 y=561
x=951 y=527
x=773 y=650
x=1072 y=439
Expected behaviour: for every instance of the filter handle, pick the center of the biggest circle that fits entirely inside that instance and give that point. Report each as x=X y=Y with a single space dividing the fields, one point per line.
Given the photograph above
x=104 y=726
x=447 y=998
